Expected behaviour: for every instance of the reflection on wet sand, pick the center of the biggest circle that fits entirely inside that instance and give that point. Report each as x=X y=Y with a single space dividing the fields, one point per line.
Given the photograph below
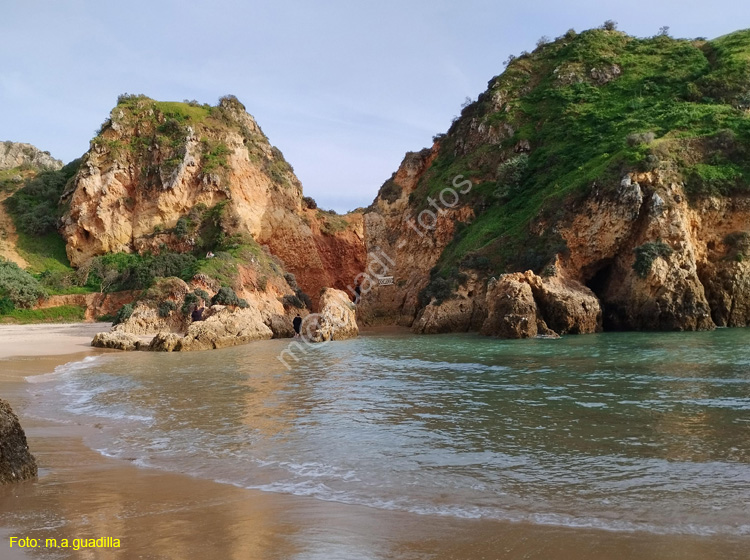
x=166 y=516
x=222 y=415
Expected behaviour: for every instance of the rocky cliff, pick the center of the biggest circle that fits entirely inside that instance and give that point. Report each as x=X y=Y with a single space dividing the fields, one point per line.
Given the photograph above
x=17 y=154
x=16 y=462
x=182 y=177
x=602 y=181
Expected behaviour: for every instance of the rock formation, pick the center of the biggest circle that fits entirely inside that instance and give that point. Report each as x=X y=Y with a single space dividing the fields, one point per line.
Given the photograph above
x=17 y=154
x=525 y=305
x=161 y=320
x=118 y=340
x=16 y=462
x=163 y=176
x=223 y=327
x=526 y=218
x=336 y=320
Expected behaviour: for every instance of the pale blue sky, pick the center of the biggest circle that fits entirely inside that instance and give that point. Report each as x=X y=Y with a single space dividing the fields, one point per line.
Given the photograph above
x=343 y=88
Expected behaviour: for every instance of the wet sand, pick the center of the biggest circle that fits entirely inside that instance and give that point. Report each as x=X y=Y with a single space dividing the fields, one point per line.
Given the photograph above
x=156 y=515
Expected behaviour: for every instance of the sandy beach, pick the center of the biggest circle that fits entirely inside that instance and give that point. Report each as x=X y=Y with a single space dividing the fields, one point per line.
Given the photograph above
x=156 y=515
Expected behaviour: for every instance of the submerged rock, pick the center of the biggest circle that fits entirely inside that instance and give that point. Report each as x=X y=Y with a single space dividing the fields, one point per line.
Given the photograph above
x=16 y=462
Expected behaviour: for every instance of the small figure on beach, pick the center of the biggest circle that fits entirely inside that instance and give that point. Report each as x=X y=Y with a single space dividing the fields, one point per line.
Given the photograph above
x=297 y=324
x=358 y=291
x=197 y=314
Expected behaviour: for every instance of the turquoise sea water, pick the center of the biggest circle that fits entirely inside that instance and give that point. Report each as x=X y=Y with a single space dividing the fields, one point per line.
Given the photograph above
x=620 y=431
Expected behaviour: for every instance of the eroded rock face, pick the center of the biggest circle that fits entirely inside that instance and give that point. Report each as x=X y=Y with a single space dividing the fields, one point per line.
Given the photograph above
x=698 y=281
x=337 y=319
x=404 y=243
x=15 y=154
x=727 y=285
x=466 y=311
x=16 y=462
x=605 y=238
x=524 y=305
x=512 y=310
x=117 y=340
x=223 y=327
x=567 y=306
x=129 y=198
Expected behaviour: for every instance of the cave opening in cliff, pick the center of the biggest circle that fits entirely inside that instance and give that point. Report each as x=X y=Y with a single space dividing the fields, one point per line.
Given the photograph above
x=599 y=280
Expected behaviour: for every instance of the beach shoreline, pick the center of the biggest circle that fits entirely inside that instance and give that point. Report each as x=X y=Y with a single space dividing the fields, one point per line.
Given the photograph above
x=158 y=514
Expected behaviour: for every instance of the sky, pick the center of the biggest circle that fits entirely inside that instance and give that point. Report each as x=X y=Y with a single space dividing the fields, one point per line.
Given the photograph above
x=343 y=88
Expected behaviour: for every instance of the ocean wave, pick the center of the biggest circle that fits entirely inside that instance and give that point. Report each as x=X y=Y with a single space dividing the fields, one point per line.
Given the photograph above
x=61 y=370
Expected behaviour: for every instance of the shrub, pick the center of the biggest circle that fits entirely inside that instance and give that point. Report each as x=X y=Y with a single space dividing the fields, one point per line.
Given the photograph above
x=6 y=305
x=123 y=314
x=609 y=25
x=215 y=157
x=304 y=298
x=166 y=307
x=309 y=202
x=646 y=254
x=390 y=191
x=476 y=262
x=125 y=271
x=438 y=289
x=739 y=244
x=127 y=97
x=19 y=286
x=638 y=138
x=191 y=300
x=510 y=174
x=203 y=294
x=34 y=206
x=194 y=299
x=227 y=296
x=293 y=301
x=182 y=228
x=291 y=279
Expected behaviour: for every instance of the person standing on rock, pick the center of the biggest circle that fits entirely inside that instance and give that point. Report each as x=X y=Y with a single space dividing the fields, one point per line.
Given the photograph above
x=297 y=324
x=197 y=314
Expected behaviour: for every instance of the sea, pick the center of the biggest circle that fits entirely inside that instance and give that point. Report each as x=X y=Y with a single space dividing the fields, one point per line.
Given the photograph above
x=626 y=432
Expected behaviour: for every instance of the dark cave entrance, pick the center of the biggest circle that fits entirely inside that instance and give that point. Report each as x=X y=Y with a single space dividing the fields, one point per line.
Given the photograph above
x=598 y=283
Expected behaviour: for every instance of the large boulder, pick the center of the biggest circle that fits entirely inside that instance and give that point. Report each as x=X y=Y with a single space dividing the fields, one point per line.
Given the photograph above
x=512 y=310
x=221 y=328
x=16 y=462
x=567 y=306
x=523 y=305
x=117 y=340
x=280 y=325
x=337 y=319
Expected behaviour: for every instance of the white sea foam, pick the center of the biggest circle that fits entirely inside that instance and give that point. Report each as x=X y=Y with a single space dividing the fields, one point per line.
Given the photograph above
x=63 y=369
x=423 y=435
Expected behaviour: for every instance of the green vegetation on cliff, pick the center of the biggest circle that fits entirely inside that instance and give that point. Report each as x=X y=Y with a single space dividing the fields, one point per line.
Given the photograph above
x=159 y=132
x=35 y=205
x=577 y=114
